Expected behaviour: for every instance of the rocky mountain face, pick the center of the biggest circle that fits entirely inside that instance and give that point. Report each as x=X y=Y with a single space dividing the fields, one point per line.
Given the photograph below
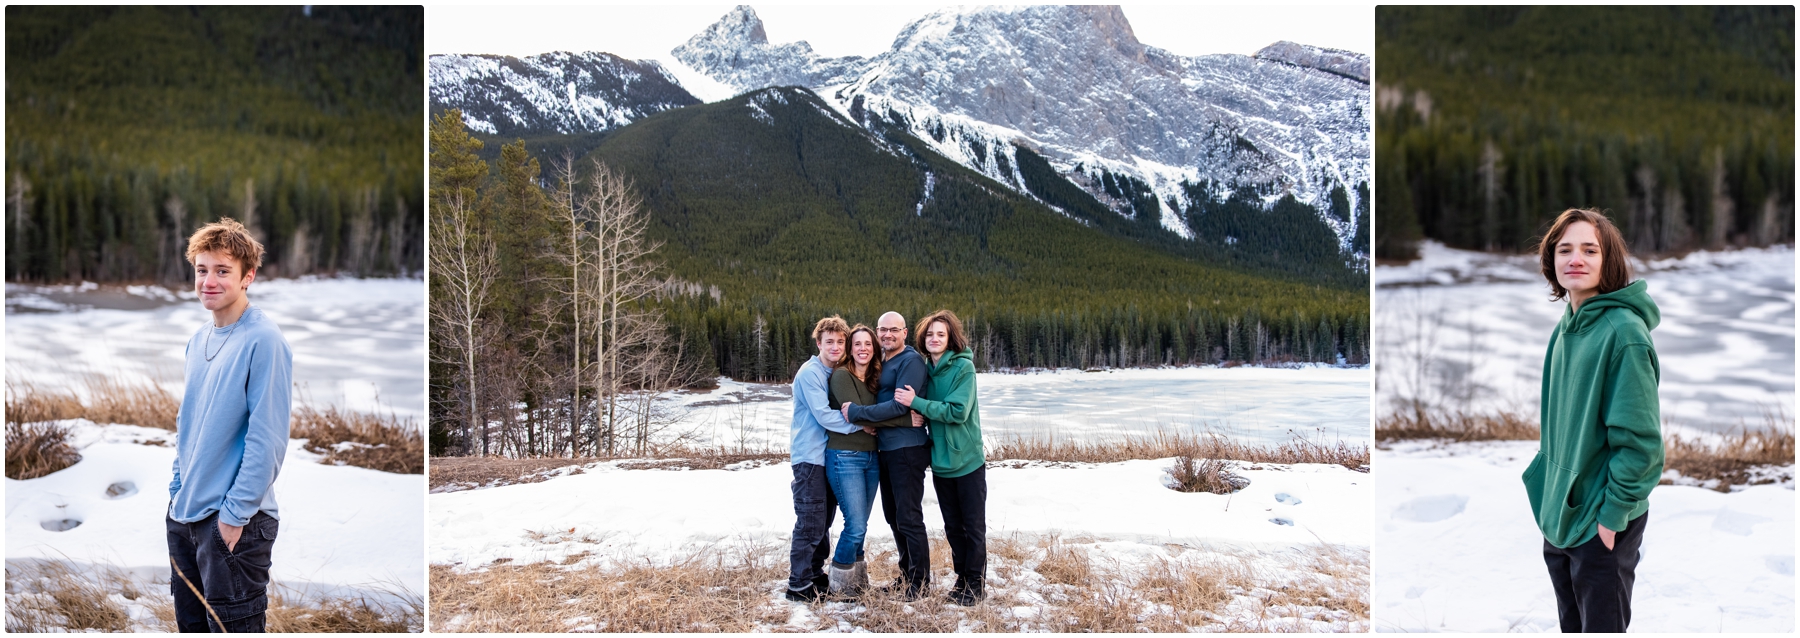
x=1075 y=85
x=558 y=93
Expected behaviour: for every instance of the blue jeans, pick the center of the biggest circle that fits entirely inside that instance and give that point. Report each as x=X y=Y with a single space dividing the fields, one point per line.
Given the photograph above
x=854 y=477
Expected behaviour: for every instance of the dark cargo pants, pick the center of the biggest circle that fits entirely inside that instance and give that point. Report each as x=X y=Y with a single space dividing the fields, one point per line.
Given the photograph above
x=233 y=582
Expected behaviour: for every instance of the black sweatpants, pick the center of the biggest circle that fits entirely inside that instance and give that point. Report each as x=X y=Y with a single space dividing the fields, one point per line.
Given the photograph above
x=903 y=505
x=963 y=501
x=1593 y=583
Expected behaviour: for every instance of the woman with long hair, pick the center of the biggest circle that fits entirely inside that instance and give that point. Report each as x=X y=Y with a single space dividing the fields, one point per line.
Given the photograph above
x=850 y=463
x=958 y=465
x=1600 y=446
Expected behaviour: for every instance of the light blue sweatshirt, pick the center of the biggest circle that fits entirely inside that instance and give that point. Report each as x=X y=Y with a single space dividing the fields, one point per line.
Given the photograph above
x=232 y=431
x=813 y=413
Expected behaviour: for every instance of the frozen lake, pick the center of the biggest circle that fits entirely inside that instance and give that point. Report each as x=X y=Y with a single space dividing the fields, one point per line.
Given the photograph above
x=358 y=343
x=1467 y=330
x=1266 y=405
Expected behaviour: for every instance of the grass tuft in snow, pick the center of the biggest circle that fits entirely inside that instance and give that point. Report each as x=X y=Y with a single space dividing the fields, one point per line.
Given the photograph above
x=37 y=449
x=361 y=439
x=1204 y=475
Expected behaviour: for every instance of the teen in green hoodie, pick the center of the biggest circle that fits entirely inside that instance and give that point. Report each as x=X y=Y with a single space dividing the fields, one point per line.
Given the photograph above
x=958 y=467
x=1600 y=449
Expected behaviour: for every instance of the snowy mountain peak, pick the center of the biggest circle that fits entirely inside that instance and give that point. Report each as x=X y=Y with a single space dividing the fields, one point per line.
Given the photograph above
x=740 y=27
x=1335 y=61
x=736 y=51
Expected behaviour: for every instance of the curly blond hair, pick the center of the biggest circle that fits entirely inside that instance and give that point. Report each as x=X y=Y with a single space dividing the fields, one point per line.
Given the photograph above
x=229 y=237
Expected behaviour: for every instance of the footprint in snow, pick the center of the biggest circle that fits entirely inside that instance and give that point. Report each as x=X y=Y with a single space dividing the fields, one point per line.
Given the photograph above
x=1290 y=499
x=121 y=489
x=1282 y=521
x=60 y=524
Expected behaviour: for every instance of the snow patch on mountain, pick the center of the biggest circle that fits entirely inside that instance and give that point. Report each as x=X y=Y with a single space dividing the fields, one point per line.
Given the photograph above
x=556 y=92
x=1076 y=86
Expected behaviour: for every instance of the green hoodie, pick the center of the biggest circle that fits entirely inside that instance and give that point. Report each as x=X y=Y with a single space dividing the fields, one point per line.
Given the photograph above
x=955 y=417
x=1600 y=449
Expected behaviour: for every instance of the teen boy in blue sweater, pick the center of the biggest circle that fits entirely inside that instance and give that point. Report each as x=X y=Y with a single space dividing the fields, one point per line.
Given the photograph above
x=231 y=435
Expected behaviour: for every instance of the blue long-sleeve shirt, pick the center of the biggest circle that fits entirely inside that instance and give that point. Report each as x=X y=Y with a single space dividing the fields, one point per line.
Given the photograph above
x=232 y=431
x=898 y=371
x=813 y=413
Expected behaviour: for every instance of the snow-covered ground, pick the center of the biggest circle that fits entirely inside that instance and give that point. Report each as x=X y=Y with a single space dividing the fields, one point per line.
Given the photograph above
x=656 y=515
x=1120 y=514
x=1249 y=404
x=358 y=343
x=1466 y=330
x=1456 y=549
x=344 y=530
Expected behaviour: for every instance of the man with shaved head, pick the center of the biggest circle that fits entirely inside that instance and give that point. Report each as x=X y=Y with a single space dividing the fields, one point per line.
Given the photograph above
x=903 y=453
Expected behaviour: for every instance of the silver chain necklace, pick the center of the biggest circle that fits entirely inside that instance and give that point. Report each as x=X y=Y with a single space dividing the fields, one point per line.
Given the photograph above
x=226 y=342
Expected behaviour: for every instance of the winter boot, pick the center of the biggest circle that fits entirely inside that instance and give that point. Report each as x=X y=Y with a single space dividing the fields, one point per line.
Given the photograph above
x=843 y=580
x=967 y=592
x=859 y=577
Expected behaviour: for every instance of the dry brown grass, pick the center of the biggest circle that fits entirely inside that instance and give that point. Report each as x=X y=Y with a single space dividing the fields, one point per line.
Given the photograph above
x=1734 y=460
x=108 y=401
x=1730 y=461
x=1164 y=444
x=52 y=597
x=1204 y=475
x=1505 y=426
x=361 y=439
x=373 y=441
x=338 y=615
x=1036 y=583
x=711 y=592
x=37 y=449
x=495 y=471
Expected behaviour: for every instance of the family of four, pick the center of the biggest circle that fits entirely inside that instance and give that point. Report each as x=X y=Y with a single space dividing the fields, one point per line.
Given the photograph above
x=867 y=420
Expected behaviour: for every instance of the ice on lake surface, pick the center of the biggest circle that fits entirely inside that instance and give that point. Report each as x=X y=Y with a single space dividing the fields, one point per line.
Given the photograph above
x=1467 y=330
x=358 y=343
x=1248 y=404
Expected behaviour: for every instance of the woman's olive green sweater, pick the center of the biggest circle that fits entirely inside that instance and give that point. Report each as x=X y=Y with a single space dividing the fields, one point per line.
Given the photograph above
x=846 y=389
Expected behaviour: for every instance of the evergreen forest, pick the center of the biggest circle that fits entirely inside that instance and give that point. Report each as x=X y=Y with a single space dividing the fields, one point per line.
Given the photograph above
x=129 y=127
x=1676 y=121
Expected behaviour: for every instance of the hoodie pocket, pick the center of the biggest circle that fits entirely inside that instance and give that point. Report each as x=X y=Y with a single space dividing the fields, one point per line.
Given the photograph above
x=1549 y=487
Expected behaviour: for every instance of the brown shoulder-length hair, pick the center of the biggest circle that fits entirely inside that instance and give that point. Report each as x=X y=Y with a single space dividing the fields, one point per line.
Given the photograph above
x=959 y=342
x=1615 y=258
x=872 y=376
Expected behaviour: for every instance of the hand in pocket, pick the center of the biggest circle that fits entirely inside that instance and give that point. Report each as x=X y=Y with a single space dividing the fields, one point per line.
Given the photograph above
x=230 y=534
x=1606 y=536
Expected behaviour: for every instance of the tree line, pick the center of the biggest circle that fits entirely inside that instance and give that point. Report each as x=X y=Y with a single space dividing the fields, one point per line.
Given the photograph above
x=1678 y=121
x=129 y=127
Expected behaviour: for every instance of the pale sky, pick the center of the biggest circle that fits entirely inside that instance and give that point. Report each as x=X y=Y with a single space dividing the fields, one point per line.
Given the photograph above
x=640 y=32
